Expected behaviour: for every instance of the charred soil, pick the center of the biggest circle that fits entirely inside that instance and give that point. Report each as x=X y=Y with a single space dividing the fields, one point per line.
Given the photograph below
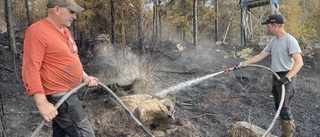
x=207 y=108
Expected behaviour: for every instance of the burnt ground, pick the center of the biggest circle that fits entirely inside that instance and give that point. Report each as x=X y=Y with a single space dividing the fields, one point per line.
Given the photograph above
x=207 y=108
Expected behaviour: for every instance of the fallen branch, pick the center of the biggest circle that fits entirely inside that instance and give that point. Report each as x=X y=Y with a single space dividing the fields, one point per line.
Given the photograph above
x=184 y=105
x=6 y=68
x=157 y=50
x=167 y=54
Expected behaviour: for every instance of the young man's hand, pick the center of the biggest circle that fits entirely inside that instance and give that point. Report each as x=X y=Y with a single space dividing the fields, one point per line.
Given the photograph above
x=239 y=66
x=283 y=80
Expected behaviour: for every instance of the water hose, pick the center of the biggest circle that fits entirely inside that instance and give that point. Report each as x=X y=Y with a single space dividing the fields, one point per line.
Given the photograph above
x=57 y=105
x=74 y=90
x=127 y=110
x=282 y=95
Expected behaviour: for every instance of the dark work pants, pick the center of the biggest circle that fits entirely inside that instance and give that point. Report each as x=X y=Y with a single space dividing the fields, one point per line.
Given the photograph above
x=71 y=119
x=285 y=112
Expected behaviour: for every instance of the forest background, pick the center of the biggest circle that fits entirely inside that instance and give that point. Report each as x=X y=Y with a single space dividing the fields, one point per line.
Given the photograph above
x=159 y=25
x=142 y=23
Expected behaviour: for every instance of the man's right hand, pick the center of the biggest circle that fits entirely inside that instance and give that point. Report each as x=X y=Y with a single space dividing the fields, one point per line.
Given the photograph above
x=46 y=109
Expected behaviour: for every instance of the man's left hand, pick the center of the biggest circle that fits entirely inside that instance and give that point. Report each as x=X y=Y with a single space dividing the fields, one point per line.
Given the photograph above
x=92 y=81
x=283 y=80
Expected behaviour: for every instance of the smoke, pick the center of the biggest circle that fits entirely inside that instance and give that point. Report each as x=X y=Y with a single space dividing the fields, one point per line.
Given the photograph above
x=205 y=58
x=121 y=68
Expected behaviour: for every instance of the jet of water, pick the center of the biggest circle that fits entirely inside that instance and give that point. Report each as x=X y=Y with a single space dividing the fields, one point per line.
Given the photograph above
x=182 y=85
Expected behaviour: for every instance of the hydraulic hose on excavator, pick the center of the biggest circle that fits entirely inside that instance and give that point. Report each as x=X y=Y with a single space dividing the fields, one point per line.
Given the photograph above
x=74 y=90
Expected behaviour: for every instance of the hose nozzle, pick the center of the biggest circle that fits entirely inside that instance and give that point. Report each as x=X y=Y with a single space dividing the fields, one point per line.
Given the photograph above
x=226 y=69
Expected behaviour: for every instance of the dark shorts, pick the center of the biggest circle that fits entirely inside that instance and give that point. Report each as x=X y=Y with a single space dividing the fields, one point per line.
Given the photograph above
x=285 y=112
x=71 y=119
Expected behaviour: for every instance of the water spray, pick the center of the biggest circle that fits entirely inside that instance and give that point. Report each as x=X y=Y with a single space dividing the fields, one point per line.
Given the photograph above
x=182 y=85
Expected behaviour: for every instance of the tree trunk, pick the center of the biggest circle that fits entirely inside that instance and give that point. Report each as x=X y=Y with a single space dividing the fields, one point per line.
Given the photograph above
x=82 y=40
x=271 y=7
x=74 y=29
x=11 y=36
x=113 y=26
x=28 y=13
x=183 y=29
x=123 y=32
x=242 y=27
x=154 y=30
x=160 y=23
x=303 y=10
x=217 y=21
x=195 y=39
x=140 y=30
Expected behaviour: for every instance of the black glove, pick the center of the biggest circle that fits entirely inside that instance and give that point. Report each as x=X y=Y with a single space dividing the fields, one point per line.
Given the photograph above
x=238 y=66
x=283 y=80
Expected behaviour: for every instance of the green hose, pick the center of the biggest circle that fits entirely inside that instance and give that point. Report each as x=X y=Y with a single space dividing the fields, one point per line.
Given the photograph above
x=74 y=90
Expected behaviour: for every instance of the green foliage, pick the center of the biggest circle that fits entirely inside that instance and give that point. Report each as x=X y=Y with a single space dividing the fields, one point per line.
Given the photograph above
x=308 y=53
x=179 y=14
x=95 y=16
x=37 y=10
x=245 y=53
x=19 y=13
x=301 y=22
x=3 y=25
x=293 y=16
x=206 y=20
x=311 y=20
x=309 y=33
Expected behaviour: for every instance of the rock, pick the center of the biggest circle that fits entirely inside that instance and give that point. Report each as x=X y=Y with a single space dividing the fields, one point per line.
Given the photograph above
x=218 y=43
x=245 y=129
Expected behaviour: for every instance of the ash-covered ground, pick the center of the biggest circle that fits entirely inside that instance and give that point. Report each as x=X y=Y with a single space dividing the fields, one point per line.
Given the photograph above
x=206 y=108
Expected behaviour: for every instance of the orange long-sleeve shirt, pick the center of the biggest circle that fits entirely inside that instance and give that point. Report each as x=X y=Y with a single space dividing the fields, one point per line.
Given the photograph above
x=50 y=60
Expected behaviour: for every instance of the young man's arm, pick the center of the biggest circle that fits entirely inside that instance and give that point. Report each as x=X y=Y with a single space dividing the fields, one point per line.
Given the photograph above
x=256 y=58
x=297 y=65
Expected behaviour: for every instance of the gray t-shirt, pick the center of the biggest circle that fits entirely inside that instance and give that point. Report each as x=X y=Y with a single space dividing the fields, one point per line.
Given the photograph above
x=281 y=50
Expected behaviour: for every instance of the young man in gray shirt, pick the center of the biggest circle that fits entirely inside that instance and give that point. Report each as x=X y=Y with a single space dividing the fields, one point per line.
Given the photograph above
x=286 y=61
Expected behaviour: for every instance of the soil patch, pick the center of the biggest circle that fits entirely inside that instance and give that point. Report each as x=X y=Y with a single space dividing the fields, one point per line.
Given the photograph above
x=207 y=108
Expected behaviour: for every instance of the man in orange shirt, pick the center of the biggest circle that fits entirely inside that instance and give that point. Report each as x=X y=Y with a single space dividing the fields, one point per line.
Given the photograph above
x=51 y=67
